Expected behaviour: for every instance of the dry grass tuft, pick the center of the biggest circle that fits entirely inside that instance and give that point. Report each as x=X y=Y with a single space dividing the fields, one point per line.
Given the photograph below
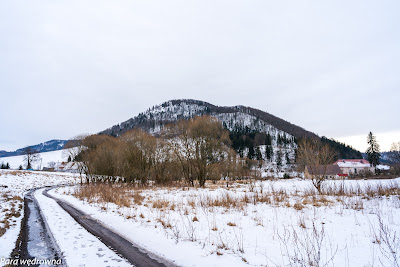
x=2 y=231
x=17 y=173
x=9 y=217
x=119 y=194
x=298 y=206
x=164 y=224
x=137 y=197
x=160 y=204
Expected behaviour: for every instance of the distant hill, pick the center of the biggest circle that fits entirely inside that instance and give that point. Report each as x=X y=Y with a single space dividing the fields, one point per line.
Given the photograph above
x=344 y=151
x=384 y=158
x=51 y=145
x=156 y=117
x=254 y=133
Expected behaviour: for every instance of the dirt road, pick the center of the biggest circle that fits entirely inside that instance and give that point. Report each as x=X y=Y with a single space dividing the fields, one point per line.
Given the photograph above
x=36 y=239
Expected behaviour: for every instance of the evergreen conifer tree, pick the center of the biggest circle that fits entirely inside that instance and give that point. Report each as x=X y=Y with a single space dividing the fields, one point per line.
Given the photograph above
x=268 y=152
x=268 y=140
x=258 y=153
x=373 y=151
x=251 y=152
x=278 y=160
x=287 y=158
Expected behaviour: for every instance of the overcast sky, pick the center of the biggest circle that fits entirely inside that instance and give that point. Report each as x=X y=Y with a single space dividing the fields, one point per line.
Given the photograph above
x=72 y=67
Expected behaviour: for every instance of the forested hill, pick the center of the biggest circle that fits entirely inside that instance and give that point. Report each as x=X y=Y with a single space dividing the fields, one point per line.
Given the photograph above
x=51 y=145
x=344 y=151
x=252 y=130
x=171 y=111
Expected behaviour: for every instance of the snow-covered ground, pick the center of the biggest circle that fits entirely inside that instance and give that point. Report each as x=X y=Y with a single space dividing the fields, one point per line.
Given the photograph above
x=268 y=223
x=13 y=186
x=44 y=159
x=263 y=223
x=78 y=246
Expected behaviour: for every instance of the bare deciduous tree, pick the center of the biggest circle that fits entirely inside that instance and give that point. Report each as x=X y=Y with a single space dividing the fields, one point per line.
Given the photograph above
x=30 y=156
x=315 y=156
x=74 y=147
x=199 y=144
x=232 y=167
x=138 y=154
x=394 y=154
x=98 y=150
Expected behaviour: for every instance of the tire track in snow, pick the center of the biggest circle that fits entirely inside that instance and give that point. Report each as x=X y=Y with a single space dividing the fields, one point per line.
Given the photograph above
x=78 y=246
x=35 y=240
x=123 y=247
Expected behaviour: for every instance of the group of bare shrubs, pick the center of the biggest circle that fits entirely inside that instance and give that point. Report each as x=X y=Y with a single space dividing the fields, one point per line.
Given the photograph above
x=194 y=150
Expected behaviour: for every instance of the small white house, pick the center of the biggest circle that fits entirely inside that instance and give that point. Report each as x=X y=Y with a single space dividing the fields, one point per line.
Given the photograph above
x=383 y=168
x=354 y=166
x=66 y=166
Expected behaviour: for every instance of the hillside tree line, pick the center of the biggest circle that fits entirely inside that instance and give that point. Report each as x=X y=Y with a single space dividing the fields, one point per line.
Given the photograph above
x=193 y=151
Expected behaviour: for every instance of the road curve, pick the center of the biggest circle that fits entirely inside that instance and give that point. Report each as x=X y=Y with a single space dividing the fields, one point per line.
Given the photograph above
x=136 y=256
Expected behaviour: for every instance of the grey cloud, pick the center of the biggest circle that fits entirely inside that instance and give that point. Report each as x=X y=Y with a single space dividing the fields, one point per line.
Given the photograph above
x=69 y=67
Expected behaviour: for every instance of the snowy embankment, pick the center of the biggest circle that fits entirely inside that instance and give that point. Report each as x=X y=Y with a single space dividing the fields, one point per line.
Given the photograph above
x=269 y=223
x=13 y=186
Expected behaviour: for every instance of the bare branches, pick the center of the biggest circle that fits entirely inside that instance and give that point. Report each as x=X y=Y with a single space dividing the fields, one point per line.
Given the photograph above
x=198 y=145
x=30 y=156
x=315 y=157
x=390 y=243
x=394 y=154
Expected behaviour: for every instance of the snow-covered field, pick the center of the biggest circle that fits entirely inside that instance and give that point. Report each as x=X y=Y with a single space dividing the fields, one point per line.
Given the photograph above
x=263 y=223
x=43 y=161
x=13 y=186
x=268 y=223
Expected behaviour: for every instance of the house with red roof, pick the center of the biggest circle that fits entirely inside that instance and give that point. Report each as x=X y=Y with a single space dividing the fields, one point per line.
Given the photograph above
x=66 y=166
